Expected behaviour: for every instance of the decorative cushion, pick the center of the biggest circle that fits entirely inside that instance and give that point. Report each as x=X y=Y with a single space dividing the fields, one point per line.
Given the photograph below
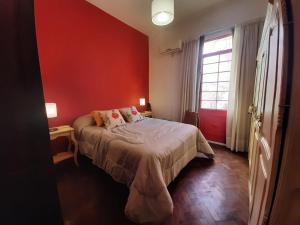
x=131 y=114
x=98 y=119
x=112 y=118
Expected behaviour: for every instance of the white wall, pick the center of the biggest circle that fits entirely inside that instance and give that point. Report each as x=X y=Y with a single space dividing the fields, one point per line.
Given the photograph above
x=165 y=80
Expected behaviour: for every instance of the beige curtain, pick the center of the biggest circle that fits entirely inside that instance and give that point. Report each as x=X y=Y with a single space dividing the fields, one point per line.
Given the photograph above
x=245 y=47
x=190 y=72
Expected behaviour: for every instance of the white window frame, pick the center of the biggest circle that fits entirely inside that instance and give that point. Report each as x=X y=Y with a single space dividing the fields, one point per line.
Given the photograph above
x=217 y=53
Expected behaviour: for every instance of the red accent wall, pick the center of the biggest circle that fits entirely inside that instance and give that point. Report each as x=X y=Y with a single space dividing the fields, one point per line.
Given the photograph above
x=213 y=124
x=89 y=59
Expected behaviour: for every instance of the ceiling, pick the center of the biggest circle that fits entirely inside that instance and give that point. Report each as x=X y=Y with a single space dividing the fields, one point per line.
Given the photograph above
x=137 y=13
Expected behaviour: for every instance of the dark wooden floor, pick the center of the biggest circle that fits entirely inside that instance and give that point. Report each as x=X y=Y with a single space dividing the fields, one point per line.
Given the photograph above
x=206 y=192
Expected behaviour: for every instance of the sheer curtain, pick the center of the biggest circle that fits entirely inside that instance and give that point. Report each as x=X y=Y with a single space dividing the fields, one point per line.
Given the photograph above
x=245 y=46
x=190 y=69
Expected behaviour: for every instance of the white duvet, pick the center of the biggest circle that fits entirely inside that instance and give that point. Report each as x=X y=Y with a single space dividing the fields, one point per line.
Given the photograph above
x=146 y=156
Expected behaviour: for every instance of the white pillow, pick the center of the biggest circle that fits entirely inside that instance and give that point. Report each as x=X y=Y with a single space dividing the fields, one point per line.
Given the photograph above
x=112 y=118
x=131 y=114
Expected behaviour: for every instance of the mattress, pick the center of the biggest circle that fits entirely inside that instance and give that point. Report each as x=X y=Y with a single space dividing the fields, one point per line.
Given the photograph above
x=146 y=156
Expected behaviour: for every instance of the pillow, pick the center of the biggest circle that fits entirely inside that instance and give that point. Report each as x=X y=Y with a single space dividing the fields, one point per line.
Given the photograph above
x=131 y=114
x=98 y=119
x=112 y=118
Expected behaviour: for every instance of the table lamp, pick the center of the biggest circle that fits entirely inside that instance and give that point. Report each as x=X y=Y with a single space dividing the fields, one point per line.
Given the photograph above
x=142 y=102
x=51 y=111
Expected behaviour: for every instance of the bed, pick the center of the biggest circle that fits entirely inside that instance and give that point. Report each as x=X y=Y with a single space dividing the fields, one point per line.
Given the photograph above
x=146 y=156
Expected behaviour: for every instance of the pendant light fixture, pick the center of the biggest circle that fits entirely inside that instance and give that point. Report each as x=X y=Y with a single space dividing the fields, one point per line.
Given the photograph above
x=162 y=12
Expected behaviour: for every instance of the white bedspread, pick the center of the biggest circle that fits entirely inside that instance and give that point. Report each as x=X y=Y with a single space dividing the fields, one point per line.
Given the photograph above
x=146 y=156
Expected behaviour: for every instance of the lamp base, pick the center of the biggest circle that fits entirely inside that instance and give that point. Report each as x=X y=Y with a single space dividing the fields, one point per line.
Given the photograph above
x=52 y=129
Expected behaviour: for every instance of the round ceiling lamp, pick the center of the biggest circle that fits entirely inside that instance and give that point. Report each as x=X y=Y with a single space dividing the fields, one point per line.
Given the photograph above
x=162 y=12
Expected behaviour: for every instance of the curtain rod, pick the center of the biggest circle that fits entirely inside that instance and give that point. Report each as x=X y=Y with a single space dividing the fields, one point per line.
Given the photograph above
x=232 y=27
x=228 y=28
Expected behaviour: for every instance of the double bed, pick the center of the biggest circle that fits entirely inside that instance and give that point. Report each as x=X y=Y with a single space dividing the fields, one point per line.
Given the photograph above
x=146 y=156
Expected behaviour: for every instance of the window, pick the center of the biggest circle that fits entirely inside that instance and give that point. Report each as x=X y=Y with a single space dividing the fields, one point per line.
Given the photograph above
x=216 y=65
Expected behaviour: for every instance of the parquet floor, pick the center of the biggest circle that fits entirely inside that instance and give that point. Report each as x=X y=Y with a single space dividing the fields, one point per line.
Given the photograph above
x=206 y=192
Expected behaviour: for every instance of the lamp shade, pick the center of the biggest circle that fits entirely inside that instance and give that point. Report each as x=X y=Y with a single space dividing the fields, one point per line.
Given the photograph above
x=142 y=102
x=162 y=12
x=51 y=110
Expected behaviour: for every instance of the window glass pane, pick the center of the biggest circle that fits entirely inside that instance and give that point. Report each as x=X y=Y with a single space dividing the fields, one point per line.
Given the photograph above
x=210 y=68
x=209 y=47
x=222 y=96
x=222 y=105
x=225 y=57
x=223 y=86
x=208 y=104
x=225 y=76
x=209 y=96
x=216 y=73
x=217 y=45
x=225 y=66
x=211 y=59
x=213 y=77
x=209 y=86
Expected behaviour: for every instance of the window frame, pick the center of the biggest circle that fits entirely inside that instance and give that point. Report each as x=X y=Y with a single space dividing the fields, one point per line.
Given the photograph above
x=217 y=53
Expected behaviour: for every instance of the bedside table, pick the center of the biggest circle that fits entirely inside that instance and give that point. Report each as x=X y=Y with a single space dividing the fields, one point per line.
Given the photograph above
x=147 y=114
x=65 y=131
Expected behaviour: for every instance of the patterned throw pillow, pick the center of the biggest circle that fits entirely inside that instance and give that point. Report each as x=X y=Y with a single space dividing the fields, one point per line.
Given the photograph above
x=131 y=114
x=112 y=118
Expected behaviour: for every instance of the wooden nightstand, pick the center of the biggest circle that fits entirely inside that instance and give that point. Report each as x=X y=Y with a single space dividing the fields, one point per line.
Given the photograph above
x=65 y=131
x=147 y=114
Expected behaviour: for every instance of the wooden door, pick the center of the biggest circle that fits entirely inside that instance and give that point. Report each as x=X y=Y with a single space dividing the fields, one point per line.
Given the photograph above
x=286 y=206
x=267 y=118
x=28 y=188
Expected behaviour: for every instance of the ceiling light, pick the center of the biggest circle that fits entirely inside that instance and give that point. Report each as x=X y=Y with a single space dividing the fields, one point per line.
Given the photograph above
x=162 y=12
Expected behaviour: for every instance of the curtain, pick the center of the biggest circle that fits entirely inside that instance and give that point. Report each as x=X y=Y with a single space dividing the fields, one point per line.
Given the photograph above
x=190 y=69
x=245 y=47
